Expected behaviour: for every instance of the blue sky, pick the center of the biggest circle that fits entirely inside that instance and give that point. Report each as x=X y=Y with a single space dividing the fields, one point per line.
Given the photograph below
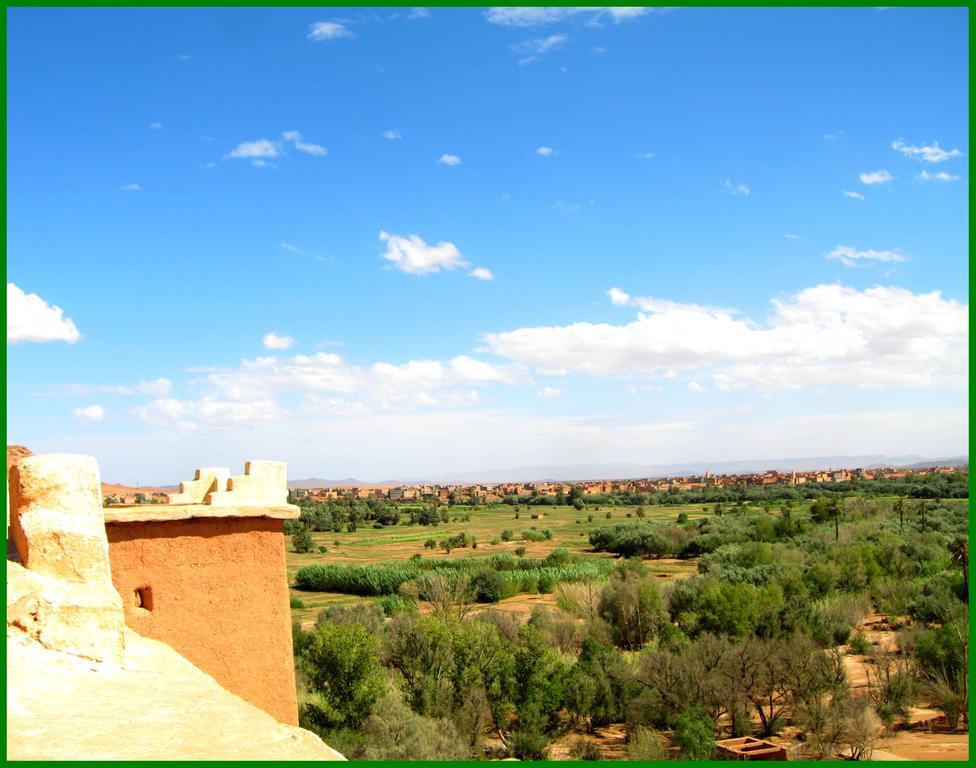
x=260 y=229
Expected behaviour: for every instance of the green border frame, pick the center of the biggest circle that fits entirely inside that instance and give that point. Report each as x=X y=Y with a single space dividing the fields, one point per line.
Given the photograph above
x=462 y=4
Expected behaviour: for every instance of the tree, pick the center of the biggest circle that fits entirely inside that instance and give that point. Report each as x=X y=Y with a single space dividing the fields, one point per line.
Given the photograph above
x=632 y=605
x=578 y=504
x=303 y=541
x=344 y=673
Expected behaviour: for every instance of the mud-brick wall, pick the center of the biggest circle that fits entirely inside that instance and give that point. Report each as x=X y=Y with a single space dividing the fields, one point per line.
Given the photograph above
x=216 y=590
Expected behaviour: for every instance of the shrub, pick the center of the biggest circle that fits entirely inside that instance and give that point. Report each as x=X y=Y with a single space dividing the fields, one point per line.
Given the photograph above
x=578 y=504
x=322 y=549
x=296 y=602
x=488 y=586
x=584 y=749
x=393 y=604
x=682 y=518
x=303 y=541
x=859 y=644
x=608 y=514
x=694 y=734
x=507 y=535
x=645 y=744
x=520 y=551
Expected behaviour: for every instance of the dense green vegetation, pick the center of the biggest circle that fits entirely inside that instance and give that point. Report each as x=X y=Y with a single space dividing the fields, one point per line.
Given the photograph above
x=496 y=576
x=753 y=642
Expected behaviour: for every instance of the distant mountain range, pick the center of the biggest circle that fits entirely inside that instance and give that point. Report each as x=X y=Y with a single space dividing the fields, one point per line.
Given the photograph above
x=571 y=472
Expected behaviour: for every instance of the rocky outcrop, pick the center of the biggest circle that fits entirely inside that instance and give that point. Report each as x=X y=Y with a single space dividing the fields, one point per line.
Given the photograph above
x=82 y=685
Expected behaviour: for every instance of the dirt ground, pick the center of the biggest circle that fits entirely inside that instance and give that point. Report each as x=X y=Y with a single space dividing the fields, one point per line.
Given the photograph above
x=919 y=745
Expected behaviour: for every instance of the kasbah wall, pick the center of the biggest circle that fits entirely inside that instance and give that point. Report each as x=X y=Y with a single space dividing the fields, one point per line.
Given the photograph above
x=206 y=575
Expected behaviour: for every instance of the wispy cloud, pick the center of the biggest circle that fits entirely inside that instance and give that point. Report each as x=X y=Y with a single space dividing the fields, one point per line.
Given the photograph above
x=451 y=160
x=133 y=187
x=532 y=17
x=940 y=176
x=851 y=257
x=418 y=13
x=532 y=50
x=549 y=393
x=853 y=195
x=30 y=318
x=480 y=273
x=645 y=155
x=545 y=151
x=833 y=135
x=156 y=126
x=735 y=188
x=391 y=135
x=328 y=30
x=875 y=177
x=790 y=236
x=931 y=153
x=309 y=149
x=275 y=341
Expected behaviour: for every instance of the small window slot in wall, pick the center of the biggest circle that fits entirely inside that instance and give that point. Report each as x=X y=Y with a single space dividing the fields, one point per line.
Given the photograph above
x=144 y=598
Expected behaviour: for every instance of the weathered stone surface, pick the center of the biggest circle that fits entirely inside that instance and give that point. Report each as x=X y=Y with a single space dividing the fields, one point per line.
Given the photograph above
x=148 y=513
x=154 y=706
x=84 y=620
x=56 y=518
x=264 y=483
x=198 y=490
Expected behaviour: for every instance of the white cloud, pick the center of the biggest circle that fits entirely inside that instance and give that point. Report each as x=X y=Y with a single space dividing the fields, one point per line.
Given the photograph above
x=328 y=30
x=481 y=273
x=91 y=413
x=156 y=126
x=645 y=155
x=192 y=415
x=133 y=187
x=850 y=257
x=549 y=393
x=828 y=335
x=451 y=160
x=735 y=188
x=30 y=318
x=309 y=149
x=262 y=148
x=418 y=13
x=272 y=340
x=940 y=176
x=326 y=386
x=391 y=135
x=545 y=151
x=875 y=177
x=790 y=236
x=931 y=153
x=833 y=135
x=694 y=386
x=853 y=195
x=412 y=255
x=531 y=17
x=618 y=298
x=153 y=387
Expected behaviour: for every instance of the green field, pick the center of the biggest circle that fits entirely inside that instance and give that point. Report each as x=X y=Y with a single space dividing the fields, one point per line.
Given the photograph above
x=570 y=529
